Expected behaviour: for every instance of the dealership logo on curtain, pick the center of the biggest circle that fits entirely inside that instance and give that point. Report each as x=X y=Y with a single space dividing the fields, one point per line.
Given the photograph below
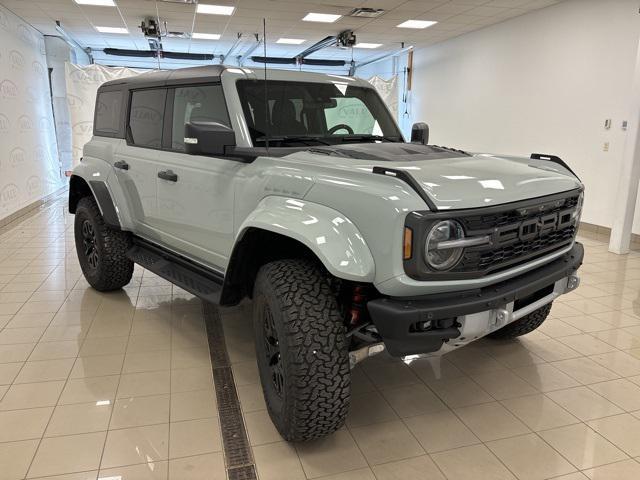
x=17 y=157
x=16 y=59
x=5 y=124
x=9 y=196
x=41 y=155
x=33 y=185
x=74 y=101
x=83 y=128
x=8 y=90
x=25 y=124
x=38 y=68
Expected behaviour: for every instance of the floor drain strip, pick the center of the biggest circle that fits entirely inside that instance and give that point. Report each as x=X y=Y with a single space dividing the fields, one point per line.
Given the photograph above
x=235 y=442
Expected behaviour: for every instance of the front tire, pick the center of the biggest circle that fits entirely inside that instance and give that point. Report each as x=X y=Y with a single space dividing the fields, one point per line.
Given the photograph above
x=524 y=325
x=301 y=349
x=101 y=250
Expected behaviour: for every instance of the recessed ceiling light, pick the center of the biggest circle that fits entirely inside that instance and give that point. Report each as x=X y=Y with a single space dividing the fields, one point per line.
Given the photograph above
x=206 y=36
x=291 y=41
x=112 y=29
x=99 y=3
x=367 y=45
x=321 y=17
x=215 y=9
x=416 y=24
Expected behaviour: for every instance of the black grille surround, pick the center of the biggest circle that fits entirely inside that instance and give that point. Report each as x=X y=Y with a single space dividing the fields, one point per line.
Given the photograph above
x=519 y=232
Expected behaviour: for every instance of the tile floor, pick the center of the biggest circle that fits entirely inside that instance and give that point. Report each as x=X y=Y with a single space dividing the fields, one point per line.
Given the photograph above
x=118 y=386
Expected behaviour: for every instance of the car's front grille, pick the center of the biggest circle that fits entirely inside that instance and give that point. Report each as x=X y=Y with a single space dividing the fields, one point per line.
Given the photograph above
x=508 y=248
x=501 y=219
x=511 y=235
x=502 y=257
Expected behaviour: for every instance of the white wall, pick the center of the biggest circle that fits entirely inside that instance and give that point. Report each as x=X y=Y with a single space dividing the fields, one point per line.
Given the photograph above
x=544 y=82
x=29 y=167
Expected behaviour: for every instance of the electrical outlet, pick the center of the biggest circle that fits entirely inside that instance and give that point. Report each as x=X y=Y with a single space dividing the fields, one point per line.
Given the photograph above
x=605 y=147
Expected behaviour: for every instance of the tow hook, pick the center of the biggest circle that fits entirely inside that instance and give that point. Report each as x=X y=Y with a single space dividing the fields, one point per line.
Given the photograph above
x=356 y=356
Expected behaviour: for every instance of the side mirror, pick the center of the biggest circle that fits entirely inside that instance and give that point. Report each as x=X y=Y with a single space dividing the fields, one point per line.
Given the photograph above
x=420 y=133
x=208 y=138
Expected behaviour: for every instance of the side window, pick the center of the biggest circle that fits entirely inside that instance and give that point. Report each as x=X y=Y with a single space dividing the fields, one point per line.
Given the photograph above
x=108 y=113
x=145 y=117
x=196 y=104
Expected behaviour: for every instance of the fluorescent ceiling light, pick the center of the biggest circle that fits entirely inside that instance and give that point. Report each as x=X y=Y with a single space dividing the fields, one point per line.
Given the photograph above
x=206 y=36
x=367 y=45
x=321 y=17
x=215 y=9
x=416 y=24
x=291 y=41
x=99 y=3
x=112 y=29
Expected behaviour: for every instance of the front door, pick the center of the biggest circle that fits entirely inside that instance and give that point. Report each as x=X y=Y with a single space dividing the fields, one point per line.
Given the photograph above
x=195 y=194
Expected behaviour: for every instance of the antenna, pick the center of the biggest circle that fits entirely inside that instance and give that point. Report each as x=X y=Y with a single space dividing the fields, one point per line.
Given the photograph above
x=266 y=97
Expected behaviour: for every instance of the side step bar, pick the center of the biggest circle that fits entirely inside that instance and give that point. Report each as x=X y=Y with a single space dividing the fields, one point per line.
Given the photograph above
x=180 y=271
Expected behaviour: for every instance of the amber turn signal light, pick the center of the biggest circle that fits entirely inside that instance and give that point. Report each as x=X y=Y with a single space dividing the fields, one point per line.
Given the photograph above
x=407 y=243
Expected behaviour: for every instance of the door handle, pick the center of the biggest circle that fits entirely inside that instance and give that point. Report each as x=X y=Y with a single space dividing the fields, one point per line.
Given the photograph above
x=121 y=164
x=168 y=175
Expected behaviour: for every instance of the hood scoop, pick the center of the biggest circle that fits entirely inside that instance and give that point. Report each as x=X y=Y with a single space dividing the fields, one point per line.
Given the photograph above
x=389 y=152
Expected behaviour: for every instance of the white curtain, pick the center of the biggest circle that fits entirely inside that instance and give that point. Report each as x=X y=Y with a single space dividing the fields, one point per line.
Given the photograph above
x=388 y=90
x=82 y=86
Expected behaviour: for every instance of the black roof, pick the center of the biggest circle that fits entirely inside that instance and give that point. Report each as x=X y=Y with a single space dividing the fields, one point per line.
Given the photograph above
x=159 y=78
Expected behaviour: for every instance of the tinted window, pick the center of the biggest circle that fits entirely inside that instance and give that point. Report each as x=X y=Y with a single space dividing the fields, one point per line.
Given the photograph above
x=197 y=104
x=108 y=113
x=145 y=118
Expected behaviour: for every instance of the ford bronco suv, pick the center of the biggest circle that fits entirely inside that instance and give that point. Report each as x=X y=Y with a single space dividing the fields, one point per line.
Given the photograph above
x=300 y=192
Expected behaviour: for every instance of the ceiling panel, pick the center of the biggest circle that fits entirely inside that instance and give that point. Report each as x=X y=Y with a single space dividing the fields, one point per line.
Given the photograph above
x=455 y=17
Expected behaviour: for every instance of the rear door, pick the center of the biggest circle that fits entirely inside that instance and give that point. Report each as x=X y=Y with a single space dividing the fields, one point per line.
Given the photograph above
x=195 y=194
x=136 y=160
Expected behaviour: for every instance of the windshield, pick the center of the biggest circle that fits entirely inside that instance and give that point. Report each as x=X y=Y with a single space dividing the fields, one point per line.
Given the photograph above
x=307 y=113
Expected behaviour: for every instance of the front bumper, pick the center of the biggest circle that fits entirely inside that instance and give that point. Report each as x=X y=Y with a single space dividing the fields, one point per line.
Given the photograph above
x=470 y=314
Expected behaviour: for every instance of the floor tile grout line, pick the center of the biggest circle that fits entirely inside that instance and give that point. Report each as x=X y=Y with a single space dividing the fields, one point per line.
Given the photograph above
x=115 y=393
x=35 y=453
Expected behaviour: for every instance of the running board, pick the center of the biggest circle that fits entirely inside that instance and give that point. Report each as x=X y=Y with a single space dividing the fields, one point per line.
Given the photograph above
x=180 y=271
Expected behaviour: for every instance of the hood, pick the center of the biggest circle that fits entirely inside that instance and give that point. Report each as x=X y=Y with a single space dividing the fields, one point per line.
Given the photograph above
x=455 y=180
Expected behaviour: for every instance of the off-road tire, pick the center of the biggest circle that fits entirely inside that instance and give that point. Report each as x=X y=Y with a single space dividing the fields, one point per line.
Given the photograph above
x=523 y=325
x=113 y=270
x=316 y=389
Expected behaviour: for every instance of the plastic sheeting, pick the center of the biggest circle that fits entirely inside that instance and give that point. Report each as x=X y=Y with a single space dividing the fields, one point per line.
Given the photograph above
x=82 y=87
x=29 y=167
x=388 y=90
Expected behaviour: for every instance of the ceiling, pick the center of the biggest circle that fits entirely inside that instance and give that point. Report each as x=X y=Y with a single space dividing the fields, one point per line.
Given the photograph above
x=283 y=18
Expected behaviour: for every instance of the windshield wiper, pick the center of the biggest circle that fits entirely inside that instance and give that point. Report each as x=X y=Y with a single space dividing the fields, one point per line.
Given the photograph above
x=292 y=138
x=368 y=138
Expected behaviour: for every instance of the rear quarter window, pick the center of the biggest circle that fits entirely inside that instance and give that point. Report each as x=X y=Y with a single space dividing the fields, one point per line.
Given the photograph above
x=108 y=113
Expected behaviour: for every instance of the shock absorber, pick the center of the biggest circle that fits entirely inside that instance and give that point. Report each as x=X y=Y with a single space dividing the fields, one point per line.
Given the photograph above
x=358 y=303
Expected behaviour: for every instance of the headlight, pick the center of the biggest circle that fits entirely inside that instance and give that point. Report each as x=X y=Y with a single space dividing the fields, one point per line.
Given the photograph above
x=440 y=251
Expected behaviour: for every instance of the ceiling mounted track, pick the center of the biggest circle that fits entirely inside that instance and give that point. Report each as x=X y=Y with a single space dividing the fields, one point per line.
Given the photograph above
x=122 y=52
